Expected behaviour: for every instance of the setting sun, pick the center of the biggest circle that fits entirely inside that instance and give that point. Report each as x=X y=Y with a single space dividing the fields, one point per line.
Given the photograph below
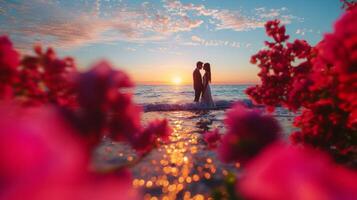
x=177 y=80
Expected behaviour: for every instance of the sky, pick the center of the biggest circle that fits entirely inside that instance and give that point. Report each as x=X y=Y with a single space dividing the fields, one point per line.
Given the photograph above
x=159 y=41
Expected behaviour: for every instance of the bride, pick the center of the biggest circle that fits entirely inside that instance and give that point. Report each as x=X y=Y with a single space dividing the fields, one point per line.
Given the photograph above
x=206 y=99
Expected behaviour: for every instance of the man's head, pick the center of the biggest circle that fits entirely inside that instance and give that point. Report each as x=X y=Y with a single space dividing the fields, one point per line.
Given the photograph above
x=199 y=64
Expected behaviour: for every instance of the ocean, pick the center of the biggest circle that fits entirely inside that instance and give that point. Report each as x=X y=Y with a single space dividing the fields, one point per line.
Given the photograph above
x=183 y=168
x=180 y=97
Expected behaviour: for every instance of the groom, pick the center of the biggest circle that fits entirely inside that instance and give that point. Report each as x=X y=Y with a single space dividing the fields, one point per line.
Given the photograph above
x=197 y=81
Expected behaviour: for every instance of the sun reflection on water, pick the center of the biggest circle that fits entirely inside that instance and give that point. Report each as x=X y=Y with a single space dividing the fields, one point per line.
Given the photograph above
x=183 y=168
x=179 y=172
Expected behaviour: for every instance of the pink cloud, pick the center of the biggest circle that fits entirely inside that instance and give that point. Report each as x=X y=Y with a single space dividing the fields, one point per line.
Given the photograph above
x=228 y=19
x=66 y=28
x=236 y=21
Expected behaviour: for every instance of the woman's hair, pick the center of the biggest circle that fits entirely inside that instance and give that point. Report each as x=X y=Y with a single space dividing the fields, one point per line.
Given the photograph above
x=207 y=68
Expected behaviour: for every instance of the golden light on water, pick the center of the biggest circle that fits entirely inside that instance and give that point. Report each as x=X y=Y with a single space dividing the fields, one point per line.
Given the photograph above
x=182 y=168
x=177 y=172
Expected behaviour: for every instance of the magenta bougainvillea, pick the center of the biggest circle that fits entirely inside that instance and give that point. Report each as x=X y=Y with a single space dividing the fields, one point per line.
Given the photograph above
x=248 y=132
x=93 y=102
x=212 y=138
x=319 y=81
x=42 y=158
x=53 y=116
x=287 y=172
x=283 y=68
x=9 y=61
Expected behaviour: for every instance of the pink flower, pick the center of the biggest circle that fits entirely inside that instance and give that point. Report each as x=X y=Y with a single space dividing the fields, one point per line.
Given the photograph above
x=162 y=129
x=300 y=48
x=349 y=4
x=286 y=172
x=9 y=58
x=113 y=186
x=41 y=158
x=104 y=107
x=339 y=50
x=276 y=31
x=144 y=141
x=9 y=61
x=105 y=82
x=212 y=138
x=248 y=133
x=36 y=147
x=323 y=84
x=44 y=78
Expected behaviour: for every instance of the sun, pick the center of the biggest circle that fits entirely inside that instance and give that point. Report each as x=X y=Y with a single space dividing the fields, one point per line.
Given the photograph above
x=177 y=80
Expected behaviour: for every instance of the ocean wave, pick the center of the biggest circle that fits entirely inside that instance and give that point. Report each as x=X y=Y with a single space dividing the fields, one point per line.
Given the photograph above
x=220 y=105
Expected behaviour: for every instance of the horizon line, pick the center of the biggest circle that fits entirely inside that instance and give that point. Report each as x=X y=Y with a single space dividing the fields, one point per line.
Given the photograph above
x=186 y=84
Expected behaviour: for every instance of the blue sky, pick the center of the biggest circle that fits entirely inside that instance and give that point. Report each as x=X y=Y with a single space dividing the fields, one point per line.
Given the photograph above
x=157 y=40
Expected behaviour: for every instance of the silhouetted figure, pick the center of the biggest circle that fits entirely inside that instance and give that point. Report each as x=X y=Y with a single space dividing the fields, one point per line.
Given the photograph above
x=197 y=81
x=206 y=99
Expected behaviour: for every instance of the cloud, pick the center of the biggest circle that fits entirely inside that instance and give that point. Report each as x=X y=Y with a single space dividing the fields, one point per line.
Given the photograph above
x=130 y=49
x=56 y=27
x=196 y=41
x=67 y=28
x=305 y=31
x=178 y=8
x=55 y=23
x=236 y=21
x=97 y=8
x=195 y=38
x=278 y=13
x=165 y=50
x=229 y=19
x=222 y=19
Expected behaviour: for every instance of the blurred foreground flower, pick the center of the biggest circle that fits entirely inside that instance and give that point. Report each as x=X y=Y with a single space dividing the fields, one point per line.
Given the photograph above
x=212 y=138
x=41 y=158
x=96 y=103
x=248 y=132
x=9 y=60
x=287 y=172
x=144 y=141
x=106 y=108
x=56 y=117
x=44 y=79
x=349 y=4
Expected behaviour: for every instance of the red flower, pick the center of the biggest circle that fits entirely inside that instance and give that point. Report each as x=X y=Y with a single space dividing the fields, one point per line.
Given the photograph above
x=212 y=138
x=276 y=31
x=36 y=147
x=323 y=85
x=9 y=61
x=105 y=82
x=104 y=108
x=42 y=158
x=278 y=72
x=349 y=4
x=248 y=133
x=9 y=58
x=286 y=172
x=144 y=141
x=339 y=50
x=44 y=78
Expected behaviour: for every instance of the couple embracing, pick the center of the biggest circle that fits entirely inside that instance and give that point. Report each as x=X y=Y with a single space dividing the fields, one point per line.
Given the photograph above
x=202 y=86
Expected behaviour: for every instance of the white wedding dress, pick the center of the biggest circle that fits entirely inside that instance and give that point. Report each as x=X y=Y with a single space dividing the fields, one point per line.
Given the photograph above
x=206 y=99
